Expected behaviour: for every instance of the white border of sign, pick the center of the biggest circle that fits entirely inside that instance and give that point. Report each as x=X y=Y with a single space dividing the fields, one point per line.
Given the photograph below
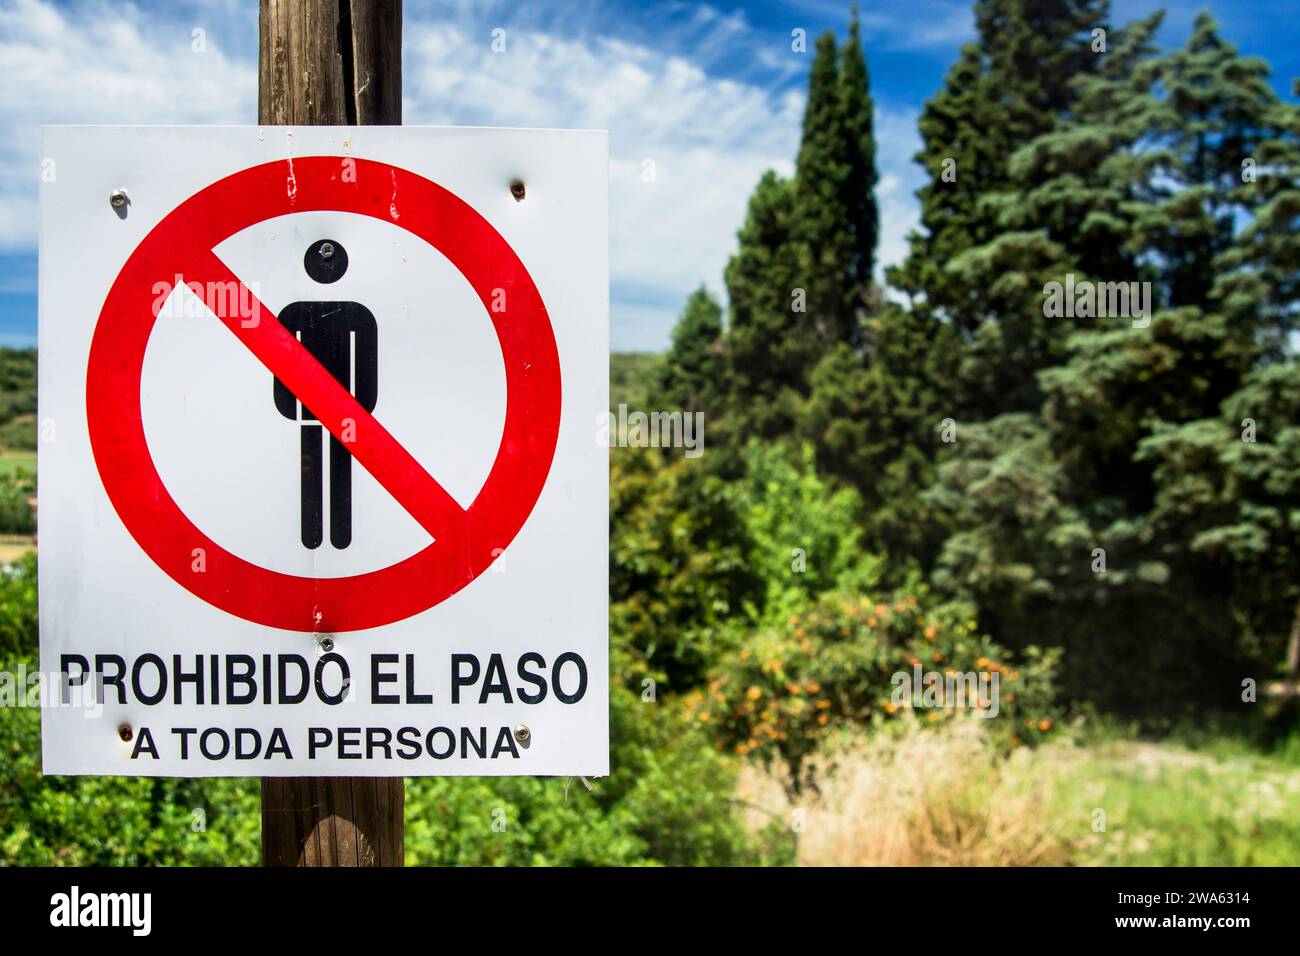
x=102 y=596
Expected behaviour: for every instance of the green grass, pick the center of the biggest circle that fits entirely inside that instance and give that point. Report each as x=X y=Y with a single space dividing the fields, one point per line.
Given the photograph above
x=1168 y=805
x=952 y=797
x=11 y=461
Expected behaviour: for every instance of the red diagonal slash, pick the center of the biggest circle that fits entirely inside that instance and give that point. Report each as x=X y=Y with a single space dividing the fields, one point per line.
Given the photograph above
x=369 y=442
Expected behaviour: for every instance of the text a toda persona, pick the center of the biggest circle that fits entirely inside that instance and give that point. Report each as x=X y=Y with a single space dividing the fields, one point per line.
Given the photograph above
x=226 y=680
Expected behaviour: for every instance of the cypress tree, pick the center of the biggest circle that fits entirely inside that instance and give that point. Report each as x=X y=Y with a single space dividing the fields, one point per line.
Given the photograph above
x=858 y=195
x=824 y=222
x=801 y=278
x=692 y=375
x=871 y=419
x=766 y=358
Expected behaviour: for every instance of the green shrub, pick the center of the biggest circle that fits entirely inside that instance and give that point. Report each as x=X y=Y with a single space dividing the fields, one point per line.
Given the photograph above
x=680 y=563
x=18 y=636
x=114 y=821
x=805 y=534
x=667 y=801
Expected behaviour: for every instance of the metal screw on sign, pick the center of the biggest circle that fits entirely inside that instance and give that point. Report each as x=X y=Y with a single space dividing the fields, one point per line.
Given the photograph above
x=126 y=732
x=522 y=733
x=327 y=644
x=517 y=190
x=117 y=198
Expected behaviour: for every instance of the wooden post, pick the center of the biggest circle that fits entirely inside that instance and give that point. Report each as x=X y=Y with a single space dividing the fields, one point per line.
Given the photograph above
x=329 y=63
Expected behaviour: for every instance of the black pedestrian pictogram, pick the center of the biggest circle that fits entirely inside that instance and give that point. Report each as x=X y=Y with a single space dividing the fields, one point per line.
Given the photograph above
x=344 y=338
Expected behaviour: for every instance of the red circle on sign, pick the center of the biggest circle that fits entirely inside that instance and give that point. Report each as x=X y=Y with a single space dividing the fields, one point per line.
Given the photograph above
x=465 y=542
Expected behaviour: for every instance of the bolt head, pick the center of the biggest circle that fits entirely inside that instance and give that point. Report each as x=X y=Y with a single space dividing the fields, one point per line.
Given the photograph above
x=517 y=189
x=522 y=733
x=125 y=731
x=327 y=251
x=117 y=198
x=327 y=644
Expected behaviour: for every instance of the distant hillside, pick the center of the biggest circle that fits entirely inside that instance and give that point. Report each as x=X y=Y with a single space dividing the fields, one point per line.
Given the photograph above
x=630 y=377
x=18 y=399
x=17 y=449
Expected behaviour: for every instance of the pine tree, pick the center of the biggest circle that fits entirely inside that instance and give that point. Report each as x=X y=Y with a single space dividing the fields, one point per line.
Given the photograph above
x=1227 y=485
x=1011 y=87
x=1262 y=287
x=1036 y=51
x=1219 y=105
x=958 y=130
x=1081 y=182
x=1227 y=496
x=1141 y=182
x=1067 y=211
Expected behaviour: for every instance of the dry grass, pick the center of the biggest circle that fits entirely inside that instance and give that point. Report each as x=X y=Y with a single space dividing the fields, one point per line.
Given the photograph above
x=923 y=799
x=13 y=547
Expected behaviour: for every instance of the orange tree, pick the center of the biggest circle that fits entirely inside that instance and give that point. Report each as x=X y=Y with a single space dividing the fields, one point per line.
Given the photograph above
x=851 y=659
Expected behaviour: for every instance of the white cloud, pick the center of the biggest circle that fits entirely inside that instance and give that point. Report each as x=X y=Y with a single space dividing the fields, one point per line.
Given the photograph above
x=101 y=64
x=686 y=147
x=903 y=25
x=708 y=136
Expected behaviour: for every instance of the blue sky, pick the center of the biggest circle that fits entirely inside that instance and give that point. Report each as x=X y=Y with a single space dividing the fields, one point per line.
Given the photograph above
x=707 y=95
